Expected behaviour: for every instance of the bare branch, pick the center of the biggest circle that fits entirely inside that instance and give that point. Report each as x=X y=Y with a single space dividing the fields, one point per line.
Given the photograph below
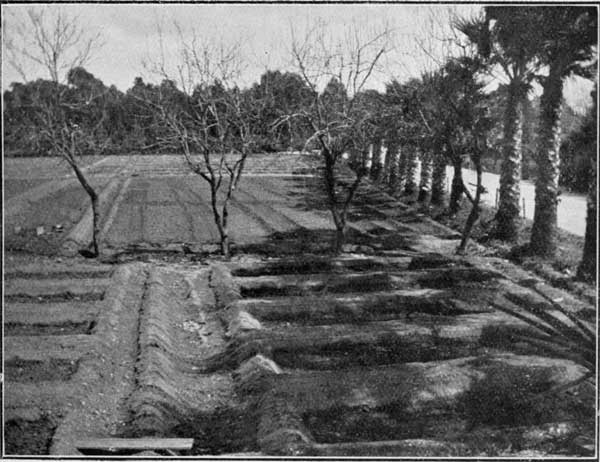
x=51 y=39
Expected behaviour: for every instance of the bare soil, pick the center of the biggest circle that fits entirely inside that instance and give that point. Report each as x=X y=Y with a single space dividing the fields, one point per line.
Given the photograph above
x=39 y=371
x=561 y=270
x=23 y=437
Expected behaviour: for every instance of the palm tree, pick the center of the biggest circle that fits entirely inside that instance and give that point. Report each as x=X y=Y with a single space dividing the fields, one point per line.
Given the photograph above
x=505 y=38
x=401 y=101
x=569 y=37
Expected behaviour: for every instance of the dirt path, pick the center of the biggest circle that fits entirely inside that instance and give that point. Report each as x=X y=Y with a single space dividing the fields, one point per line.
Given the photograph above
x=571 y=210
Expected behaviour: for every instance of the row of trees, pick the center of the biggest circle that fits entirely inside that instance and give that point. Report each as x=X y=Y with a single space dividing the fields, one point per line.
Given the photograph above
x=522 y=42
x=443 y=117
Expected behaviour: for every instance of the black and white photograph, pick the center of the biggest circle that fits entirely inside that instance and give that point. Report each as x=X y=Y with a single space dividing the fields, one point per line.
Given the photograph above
x=282 y=230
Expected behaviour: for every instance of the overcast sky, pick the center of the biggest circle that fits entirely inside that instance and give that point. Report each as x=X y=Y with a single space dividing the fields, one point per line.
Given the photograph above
x=129 y=34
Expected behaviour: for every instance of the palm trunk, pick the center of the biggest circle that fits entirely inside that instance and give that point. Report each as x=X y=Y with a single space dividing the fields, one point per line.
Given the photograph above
x=368 y=159
x=438 y=180
x=544 y=232
x=410 y=184
x=507 y=216
x=402 y=168
x=356 y=160
x=527 y=139
x=377 y=167
x=456 y=190
x=425 y=181
x=393 y=155
x=387 y=163
x=587 y=267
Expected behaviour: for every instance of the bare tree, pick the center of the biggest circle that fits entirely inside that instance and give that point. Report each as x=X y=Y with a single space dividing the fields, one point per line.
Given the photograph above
x=208 y=118
x=50 y=38
x=69 y=123
x=338 y=68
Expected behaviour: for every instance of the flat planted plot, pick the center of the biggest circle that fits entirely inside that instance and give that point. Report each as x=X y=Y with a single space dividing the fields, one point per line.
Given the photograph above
x=15 y=186
x=63 y=207
x=172 y=209
x=57 y=213
x=162 y=203
x=38 y=167
x=49 y=168
x=161 y=210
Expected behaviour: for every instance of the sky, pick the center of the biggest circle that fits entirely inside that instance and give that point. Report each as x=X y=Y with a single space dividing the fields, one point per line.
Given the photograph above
x=129 y=33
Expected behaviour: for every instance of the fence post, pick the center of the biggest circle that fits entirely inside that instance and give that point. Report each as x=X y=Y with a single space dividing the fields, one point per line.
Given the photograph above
x=524 y=214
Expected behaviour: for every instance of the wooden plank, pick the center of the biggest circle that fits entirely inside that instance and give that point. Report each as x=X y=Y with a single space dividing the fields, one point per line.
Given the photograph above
x=139 y=444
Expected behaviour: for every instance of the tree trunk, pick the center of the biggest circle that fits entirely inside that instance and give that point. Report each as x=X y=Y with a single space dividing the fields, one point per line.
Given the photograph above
x=402 y=164
x=368 y=163
x=330 y=184
x=587 y=268
x=377 y=167
x=387 y=163
x=340 y=238
x=507 y=216
x=225 y=249
x=438 y=180
x=475 y=210
x=96 y=224
x=544 y=233
x=456 y=191
x=356 y=160
x=425 y=180
x=527 y=139
x=220 y=222
x=393 y=155
x=94 y=199
x=410 y=185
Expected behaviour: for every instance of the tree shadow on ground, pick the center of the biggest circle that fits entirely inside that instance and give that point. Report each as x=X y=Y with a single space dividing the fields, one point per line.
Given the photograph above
x=295 y=242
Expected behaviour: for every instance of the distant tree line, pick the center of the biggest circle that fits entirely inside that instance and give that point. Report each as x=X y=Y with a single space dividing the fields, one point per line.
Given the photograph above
x=128 y=123
x=124 y=123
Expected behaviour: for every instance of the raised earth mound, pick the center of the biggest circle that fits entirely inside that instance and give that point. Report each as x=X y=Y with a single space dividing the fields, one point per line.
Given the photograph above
x=395 y=348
